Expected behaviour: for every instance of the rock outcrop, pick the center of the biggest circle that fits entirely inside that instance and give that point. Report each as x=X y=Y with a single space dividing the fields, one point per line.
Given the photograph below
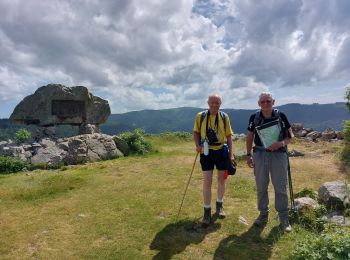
x=70 y=150
x=305 y=203
x=335 y=194
x=314 y=136
x=57 y=104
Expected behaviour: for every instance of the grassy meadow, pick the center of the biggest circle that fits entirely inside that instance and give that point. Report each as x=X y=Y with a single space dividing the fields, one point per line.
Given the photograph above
x=126 y=208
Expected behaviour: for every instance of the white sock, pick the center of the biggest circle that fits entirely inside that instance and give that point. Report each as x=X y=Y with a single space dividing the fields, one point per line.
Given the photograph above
x=207 y=206
x=220 y=201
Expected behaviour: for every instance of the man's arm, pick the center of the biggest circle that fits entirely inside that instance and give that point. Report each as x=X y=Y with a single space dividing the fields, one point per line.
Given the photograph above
x=197 y=142
x=249 y=146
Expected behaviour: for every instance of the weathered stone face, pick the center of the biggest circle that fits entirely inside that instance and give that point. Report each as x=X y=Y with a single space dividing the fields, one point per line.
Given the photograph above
x=56 y=104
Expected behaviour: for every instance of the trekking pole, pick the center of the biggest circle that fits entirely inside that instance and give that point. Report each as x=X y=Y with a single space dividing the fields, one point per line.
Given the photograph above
x=188 y=183
x=291 y=193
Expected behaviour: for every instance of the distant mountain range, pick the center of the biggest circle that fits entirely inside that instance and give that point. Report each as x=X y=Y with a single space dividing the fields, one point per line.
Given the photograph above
x=316 y=116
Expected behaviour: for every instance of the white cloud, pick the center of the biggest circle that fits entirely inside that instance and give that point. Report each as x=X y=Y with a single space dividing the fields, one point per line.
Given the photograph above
x=146 y=54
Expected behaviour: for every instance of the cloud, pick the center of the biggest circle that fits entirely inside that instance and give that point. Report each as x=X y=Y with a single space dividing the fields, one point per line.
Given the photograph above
x=145 y=54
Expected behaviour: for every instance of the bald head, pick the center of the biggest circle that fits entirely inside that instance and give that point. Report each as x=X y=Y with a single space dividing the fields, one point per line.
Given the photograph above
x=214 y=97
x=214 y=103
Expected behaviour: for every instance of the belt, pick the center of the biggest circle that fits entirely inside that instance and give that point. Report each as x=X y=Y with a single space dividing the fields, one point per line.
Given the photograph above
x=216 y=144
x=263 y=149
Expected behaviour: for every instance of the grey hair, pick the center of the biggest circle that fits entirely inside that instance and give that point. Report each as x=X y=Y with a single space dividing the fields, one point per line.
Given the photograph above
x=215 y=96
x=265 y=94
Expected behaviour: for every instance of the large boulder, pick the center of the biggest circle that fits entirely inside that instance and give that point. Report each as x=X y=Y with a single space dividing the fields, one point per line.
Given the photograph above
x=335 y=194
x=297 y=127
x=301 y=133
x=305 y=203
x=340 y=135
x=57 y=104
x=122 y=145
x=328 y=134
x=48 y=153
x=89 y=147
x=313 y=135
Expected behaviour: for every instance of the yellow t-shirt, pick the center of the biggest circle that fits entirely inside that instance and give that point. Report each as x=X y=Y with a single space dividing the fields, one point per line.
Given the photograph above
x=220 y=131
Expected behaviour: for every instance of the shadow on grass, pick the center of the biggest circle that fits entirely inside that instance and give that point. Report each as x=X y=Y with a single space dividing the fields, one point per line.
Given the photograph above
x=249 y=245
x=175 y=237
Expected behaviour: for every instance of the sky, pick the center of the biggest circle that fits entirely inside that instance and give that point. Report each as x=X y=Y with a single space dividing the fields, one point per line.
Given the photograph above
x=156 y=54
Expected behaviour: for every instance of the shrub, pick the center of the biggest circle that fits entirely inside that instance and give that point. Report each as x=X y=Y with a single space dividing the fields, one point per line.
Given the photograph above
x=136 y=141
x=307 y=192
x=345 y=154
x=180 y=135
x=22 y=135
x=11 y=165
x=332 y=243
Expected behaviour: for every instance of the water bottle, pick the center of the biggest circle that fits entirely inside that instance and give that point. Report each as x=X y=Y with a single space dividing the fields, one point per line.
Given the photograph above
x=206 y=148
x=225 y=151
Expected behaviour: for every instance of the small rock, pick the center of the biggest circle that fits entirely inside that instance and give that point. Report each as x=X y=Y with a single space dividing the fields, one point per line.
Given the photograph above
x=242 y=220
x=295 y=153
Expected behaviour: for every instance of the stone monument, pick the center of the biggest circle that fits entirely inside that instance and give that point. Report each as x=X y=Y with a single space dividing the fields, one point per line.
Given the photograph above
x=57 y=104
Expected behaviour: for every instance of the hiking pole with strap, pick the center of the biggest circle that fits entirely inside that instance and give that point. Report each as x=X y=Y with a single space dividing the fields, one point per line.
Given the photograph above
x=188 y=183
x=291 y=193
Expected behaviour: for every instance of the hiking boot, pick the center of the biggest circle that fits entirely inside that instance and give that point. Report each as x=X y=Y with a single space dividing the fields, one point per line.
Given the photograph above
x=261 y=220
x=206 y=218
x=285 y=226
x=220 y=210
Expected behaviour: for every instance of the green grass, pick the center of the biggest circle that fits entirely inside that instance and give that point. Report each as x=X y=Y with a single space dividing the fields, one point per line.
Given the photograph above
x=126 y=208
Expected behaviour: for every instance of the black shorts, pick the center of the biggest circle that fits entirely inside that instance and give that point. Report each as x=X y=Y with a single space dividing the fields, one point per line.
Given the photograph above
x=215 y=157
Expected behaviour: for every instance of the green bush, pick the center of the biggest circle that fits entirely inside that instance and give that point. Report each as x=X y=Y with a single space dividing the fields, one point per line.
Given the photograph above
x=333 y=243
x=180 y=135
x=22 y=135
x=11 y=165
x=136 y=141
x=345 y=154
x=307 y=192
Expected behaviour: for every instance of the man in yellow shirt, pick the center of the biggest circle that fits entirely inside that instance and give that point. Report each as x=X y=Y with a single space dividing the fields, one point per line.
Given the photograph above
x=211 y=131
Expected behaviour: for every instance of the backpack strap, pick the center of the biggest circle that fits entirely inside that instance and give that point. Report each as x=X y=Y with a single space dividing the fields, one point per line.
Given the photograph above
x=204 y=114
x=223 y=116
x=257 y=118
